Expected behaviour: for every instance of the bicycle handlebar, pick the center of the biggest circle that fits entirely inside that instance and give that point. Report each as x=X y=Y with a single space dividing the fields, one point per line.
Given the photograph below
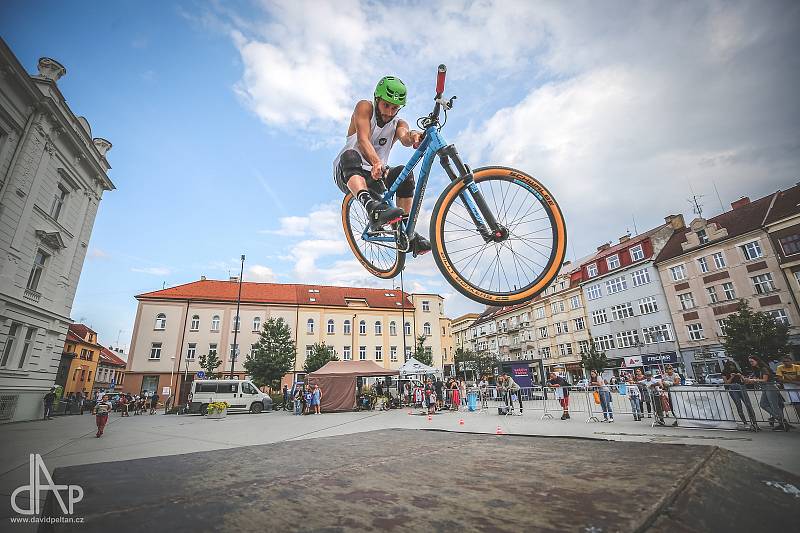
x=440 y=80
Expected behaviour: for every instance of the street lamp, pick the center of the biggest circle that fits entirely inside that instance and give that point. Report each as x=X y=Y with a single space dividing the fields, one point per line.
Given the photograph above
x=236 y=320
x=171 y=373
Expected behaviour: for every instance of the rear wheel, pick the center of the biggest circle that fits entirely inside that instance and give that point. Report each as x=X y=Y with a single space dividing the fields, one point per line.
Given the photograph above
x=381 y=259
x=204 y=409
x=516 y=266
x=256 y=408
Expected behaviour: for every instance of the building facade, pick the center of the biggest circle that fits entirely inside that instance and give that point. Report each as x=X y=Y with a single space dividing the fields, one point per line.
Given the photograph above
x=110 y=375
x=177 y=325
x=461 y=335
x=53 y=174
x=783 y=227
x=79 y=360
x=627 y=309
x=711 y=265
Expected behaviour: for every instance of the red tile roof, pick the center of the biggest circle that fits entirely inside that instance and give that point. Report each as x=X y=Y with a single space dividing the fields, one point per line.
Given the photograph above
x=787 y=203
x=110 y=358
x=737 y=221
x=278 y=293
x=79 y=332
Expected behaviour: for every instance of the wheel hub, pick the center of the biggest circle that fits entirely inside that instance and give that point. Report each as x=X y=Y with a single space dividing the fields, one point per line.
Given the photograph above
x=500 y=234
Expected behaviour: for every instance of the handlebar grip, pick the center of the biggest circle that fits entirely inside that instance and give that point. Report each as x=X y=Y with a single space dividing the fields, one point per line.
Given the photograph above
x=440 y=79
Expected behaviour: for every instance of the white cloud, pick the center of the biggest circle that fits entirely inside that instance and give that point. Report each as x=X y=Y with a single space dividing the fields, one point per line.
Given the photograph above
x=260 y=273
x=323 y=221
x=97 y=253
x=154 y=271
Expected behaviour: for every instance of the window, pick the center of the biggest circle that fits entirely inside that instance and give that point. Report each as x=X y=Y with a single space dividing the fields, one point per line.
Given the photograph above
x=580 y=325
x=594 y=292
x=640 y=277
x=721 y=325
x=604 y=342
x=407 y=328
x=719 y=260
x=575 y=302
x=212 y=349
x=712 y=295
x=619 y=312
x=678 y=273
x=540 y=312
x=695 y=332
x=426 y=306
x=392 y=328
x=730 y=294
x=362 y=327
x=657 y=334
x=191 y=351
x=613 y=262
x=234 y=352
x=779 y=315
x=59 y=199
x=565 y=349
x=616 y=285
x=362 y=353
x=763 y=283
x=751 y=250
x=215 y=323
x=26 y=347
x=790 y=244
x=599 y=317
x=426 y=328
x=583 y=346
x=626 y=339
x=155 y=350
x=702 y=236
x=346 y=327
x=407 y=355
x=648 y=305
x=393 y=353
x=346 y=355
x=591 y=270
x=378 y=328
x=703 y=264
x=331 y=327
x=256 y=324
x=161 y=321
x=543 y=332
x=236 y=323
x=557 y=307
x=195 y=325
x=637 y=253
x=36 y=271
x=310 y=326
x=561 y=327
x=379 y=353
x=545 y=352
x=309 y=350
x=687 y=300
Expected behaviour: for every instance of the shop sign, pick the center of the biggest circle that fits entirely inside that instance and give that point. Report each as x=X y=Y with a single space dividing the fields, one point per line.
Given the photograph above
x=660 y=359
x=634 y=360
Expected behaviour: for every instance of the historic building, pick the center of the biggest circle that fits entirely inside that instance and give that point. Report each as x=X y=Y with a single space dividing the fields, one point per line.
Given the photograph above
x=461 y=335
x=79 y=360
x=177 y=325
x=110 y=375
x=53 y=174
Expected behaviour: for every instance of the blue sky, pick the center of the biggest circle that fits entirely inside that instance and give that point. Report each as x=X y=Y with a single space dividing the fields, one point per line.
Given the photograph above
x=225 y=117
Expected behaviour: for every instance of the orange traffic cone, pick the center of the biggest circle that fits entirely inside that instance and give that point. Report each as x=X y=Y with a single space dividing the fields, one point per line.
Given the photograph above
x=499 y=431
x=460 y=421
x=411 y=413
x=430 y=418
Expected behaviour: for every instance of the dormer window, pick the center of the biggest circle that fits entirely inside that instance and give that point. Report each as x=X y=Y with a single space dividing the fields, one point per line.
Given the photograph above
x=591 y=270
x=613 y=262
x=702 y=236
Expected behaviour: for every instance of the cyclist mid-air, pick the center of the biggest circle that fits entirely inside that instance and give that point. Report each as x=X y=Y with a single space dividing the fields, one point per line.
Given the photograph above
x=361 y=167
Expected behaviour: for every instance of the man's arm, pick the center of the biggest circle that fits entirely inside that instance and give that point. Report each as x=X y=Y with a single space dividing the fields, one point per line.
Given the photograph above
x=362 y=116
x=406 y=136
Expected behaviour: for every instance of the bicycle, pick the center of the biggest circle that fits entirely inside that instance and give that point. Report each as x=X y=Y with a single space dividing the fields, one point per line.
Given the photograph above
x=475 y=225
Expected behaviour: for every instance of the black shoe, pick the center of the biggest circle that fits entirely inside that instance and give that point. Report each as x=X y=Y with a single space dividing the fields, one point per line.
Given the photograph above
x=382 y=214
x=568 y=417
x=563 y=417
x=420 y=245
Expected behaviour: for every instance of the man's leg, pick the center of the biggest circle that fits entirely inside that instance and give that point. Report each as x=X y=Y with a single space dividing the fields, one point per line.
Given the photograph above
x=405 y=199
x=351 y=174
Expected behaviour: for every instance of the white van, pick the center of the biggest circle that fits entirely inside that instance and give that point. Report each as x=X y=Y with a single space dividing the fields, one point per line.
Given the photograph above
x=241 y=395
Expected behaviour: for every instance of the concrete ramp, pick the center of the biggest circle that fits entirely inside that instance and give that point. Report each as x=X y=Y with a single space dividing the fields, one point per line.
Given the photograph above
x=415 y=480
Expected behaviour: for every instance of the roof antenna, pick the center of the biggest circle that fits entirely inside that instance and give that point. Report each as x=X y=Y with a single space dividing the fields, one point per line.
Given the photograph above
x=163 y=285
x=635 y=231
x=695 y=201
x=721 y=206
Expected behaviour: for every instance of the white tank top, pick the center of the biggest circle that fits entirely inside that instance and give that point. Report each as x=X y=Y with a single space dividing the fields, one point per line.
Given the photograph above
x=381 y=138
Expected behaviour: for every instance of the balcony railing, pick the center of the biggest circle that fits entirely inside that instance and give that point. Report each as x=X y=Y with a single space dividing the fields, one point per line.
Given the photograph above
x=32 y=295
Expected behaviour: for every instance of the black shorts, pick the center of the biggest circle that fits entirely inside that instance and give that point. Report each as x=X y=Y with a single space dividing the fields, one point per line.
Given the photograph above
x=350 y=165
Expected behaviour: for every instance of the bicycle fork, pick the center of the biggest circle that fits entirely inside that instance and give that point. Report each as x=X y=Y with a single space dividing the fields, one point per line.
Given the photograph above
x=479 y=211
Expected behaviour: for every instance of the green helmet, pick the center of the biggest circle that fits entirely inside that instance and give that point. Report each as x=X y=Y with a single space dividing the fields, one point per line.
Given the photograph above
x=392 y=90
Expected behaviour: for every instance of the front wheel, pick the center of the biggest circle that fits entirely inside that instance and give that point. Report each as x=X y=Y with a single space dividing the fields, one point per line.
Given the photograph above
x=380 y=258
x=510 y=269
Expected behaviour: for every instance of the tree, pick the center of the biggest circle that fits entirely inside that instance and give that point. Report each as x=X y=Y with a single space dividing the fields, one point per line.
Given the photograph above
x=320 y=355
x=594 y=359
x=209 y=363
x=755 y=333
x=273 y=355
x=422 y=354
x=482 y=363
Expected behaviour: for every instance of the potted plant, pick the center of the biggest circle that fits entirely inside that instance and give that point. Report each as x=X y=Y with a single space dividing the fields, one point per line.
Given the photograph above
x=218 y=410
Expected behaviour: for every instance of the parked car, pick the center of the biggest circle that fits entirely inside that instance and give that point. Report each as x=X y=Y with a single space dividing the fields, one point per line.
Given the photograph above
x=241 y=395
x=582 y=384
x=714 y=379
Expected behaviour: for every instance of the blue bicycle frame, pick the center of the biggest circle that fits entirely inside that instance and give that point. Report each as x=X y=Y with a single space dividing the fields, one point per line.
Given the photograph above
x=430 y=147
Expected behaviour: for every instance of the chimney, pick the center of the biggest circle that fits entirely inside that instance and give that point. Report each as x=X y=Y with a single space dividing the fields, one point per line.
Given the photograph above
x=234 y=279
x=605 y=246
x=741 y=202
x=625 y=237
x=202 y=278
x=676 y=221
x=51 y=69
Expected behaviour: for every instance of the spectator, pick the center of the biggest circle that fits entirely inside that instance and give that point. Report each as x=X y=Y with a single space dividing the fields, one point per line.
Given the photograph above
x=653 y=387
x=123 y=405
x=605 y=395
x=438 y=386
x=316 y=399
x=635 y=397
x=49 y=398
x=788 y=373
x=644 y=394
x=734 y=383
x=670 y=379
x=483 y=387
x=298 y=401
x=153 y=403
x=430 y=396
x=510 y=391
x=456 y=395
x=771 y=400
x=101 y=410
x=462 y=391
x=285 y=395
x=562 y=393
x=307 y=397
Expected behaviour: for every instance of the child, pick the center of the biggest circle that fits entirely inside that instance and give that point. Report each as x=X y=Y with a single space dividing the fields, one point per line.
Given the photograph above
x=101 y=410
